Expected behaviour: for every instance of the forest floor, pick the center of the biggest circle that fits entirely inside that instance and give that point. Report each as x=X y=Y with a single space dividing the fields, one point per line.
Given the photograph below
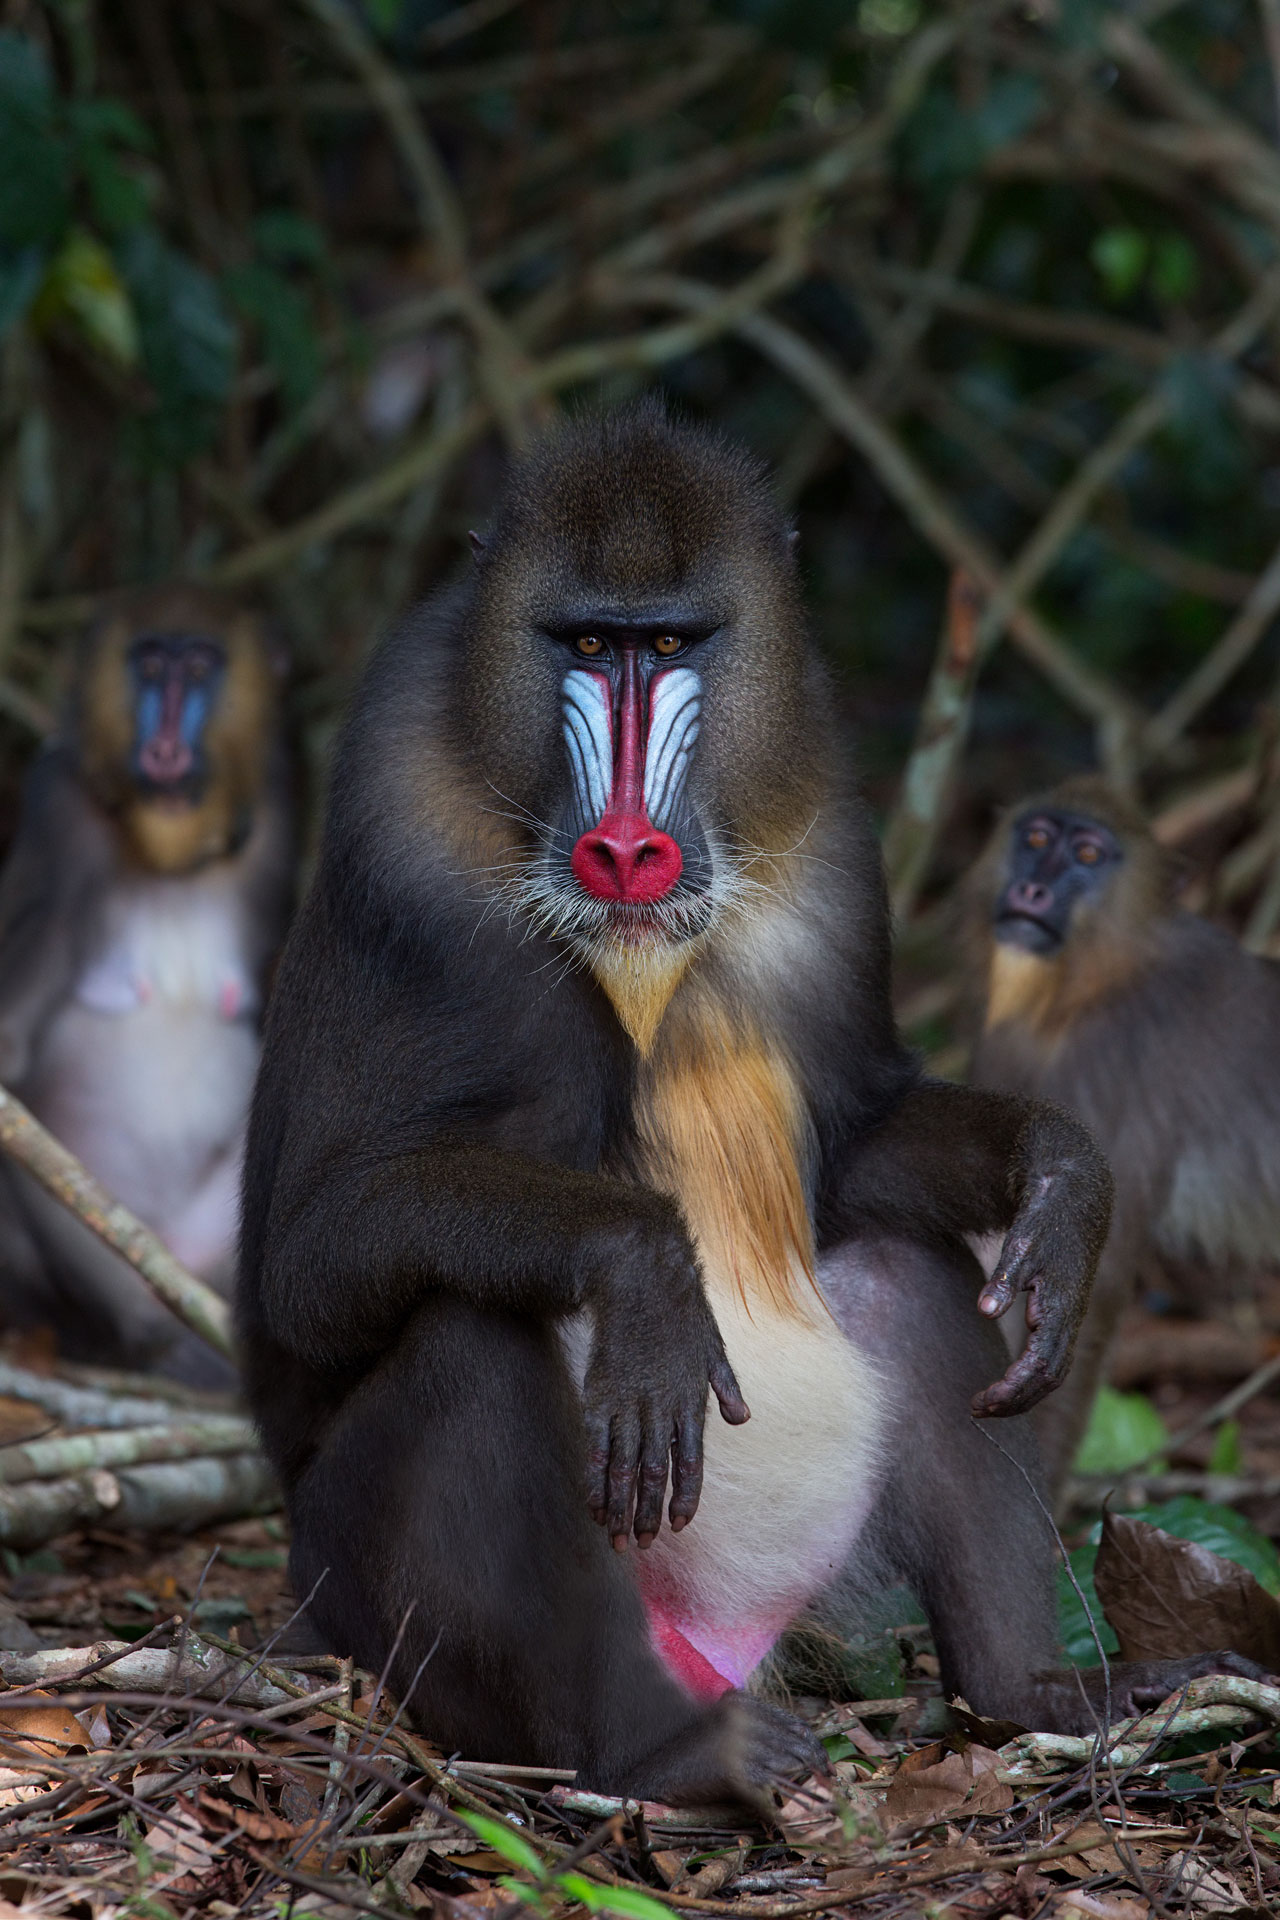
x=147 y=1789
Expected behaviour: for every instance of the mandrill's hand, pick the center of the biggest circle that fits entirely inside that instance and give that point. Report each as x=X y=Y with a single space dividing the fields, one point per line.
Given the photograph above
x=656 y=1349
x=1049 y=1253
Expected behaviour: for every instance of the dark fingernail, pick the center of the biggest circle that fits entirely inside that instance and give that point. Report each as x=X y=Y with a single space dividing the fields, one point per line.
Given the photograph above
x=620 y=1542
x=679 y=1521
x=645 y=1539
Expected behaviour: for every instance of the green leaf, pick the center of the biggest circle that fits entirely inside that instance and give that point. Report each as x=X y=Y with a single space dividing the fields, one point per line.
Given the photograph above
x=1119 y=256
x=386 y=15
x=1174 y=268
x=284 y=237
x=283 y=319
x=1227 y=1455
x=942 y=141
x=36 y=171
x=188 y=348
x=601 y=1899
x=1123 y=1429
x=1078 y=1644
x=505 y=1840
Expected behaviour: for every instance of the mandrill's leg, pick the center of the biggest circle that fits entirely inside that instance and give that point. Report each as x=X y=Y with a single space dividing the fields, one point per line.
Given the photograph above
x=449 y=1493
x=958 y=1518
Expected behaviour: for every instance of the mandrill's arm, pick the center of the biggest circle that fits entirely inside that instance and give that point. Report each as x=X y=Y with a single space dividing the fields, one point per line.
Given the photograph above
x=951 y=1161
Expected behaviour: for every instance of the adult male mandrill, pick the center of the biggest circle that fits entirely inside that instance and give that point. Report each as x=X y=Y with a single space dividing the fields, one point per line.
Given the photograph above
x=144 y=897
x=581 y=1092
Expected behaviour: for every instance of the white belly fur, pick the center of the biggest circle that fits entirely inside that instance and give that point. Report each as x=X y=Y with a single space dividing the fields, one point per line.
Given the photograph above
x=147 y=1071
x=784 y=1497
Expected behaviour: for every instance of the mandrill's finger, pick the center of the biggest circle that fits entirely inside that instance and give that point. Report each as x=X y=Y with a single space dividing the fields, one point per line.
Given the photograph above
x=653 y=1484
x=597 y=1464
x=686 y=1469
x=1036 y=1372
x=1005 y=1284
x=733 y=1407
x=624 y=1459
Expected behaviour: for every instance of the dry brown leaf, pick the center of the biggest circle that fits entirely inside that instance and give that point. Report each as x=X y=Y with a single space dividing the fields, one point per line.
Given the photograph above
x=958 y=1783
x=1167 y=1597
x=1102 y=1906
x=35 y=1732
x=1190 y=1879
x=258 y=1826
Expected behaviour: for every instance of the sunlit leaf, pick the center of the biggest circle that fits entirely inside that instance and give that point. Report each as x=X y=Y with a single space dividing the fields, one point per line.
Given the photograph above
x=600 y=1899
x=505 y=1840
x=1227 y=1455
x=1123 y=1429
x=1119 y=256
x=83 y=288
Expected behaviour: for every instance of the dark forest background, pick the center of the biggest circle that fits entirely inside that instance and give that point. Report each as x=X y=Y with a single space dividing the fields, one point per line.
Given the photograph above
x=995 y=288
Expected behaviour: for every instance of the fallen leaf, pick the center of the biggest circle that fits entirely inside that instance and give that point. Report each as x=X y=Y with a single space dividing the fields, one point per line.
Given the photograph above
x=1189 y=1879
x=1102 y=1906
x=1167 y=1598
x=258 y=1826
x=959 y=1783
x=35 y=1732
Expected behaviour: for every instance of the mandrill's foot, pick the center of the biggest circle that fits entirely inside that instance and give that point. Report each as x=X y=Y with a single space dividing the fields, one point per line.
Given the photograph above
x=1075 y=1702
x=735 y=1755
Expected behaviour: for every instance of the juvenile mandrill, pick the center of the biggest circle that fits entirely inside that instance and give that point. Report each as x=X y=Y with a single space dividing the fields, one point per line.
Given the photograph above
x=1154 y=1026
x=581 y=1094
x=145 y=895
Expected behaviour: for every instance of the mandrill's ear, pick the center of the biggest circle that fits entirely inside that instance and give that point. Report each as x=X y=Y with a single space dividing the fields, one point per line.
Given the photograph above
x=479 y=545
x=793 y=540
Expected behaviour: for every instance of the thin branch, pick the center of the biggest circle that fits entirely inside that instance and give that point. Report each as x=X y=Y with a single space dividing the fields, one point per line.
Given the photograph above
x=501 y=361
x=1086 y=689
x=1229 y=652
x=941 y=730
x=61 y=1174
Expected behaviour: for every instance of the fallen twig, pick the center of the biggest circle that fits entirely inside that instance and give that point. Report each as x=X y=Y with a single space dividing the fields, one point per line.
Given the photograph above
x=61 y=1174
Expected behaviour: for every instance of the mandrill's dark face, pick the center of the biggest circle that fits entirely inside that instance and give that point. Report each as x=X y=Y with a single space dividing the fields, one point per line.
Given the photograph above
x=1059 y=865
x=639 y=687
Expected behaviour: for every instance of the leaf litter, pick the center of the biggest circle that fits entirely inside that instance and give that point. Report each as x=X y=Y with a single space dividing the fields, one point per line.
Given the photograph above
x=163 y=1753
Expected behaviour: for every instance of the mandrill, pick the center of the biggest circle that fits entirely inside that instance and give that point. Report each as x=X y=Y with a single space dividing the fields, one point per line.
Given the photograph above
x=146 y=892
x=591 y=1197
x=1151 y=1024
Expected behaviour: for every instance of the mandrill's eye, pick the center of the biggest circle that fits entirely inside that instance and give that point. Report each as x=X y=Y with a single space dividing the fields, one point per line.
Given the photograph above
x=666 y=644
x=1088 y=854
x=1037 y=838
x=590 y=644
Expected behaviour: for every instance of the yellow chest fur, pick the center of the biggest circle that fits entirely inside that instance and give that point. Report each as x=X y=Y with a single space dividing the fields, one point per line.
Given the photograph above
x=721 y=1124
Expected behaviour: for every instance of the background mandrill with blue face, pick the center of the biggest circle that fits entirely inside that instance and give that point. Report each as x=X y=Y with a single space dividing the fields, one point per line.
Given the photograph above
x=146 y=892
x=1097 y=990
x=583 y=1127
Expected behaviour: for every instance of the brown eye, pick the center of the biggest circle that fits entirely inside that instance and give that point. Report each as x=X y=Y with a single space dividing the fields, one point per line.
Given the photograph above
x=590 y=644
x=1087 y=854
x=1037 y=838
x=666 y=644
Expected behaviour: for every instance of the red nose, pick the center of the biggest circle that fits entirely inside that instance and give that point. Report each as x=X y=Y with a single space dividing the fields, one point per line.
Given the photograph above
x=1028 y=896
x=626 y=859
x=165 y=756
